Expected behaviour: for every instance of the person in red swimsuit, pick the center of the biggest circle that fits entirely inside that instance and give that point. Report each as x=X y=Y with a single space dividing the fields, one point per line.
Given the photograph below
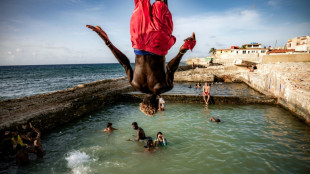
x=206 y=92
x=151 y=36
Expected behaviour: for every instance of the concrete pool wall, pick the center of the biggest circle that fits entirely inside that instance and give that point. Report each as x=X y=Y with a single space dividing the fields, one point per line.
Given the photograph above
x=48 y=111
x=288 y=82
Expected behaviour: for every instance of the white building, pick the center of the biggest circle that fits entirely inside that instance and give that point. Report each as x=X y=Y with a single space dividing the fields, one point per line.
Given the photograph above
x=300 y=44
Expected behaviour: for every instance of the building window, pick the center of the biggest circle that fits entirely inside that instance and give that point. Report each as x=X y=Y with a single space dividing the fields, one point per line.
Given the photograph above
x=263 y=51
x=244 y=52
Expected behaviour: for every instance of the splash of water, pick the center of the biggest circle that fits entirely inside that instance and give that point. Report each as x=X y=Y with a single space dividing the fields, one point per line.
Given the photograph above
x=76 y=161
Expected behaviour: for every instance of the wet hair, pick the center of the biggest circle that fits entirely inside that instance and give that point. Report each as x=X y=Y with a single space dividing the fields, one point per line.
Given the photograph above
x=158 y=134
x=149 y=143
x=31 y=135
x=134 y=124
x=149 y=105
x=109 y=124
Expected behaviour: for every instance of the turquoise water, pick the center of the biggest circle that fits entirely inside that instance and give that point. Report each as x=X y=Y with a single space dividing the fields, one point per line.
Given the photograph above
x=252 y=138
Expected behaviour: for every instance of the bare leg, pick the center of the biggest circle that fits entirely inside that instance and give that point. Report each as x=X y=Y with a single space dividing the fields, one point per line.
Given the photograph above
x=208 y=99
x=174 y=63
x=204 y=98
x=122 y=59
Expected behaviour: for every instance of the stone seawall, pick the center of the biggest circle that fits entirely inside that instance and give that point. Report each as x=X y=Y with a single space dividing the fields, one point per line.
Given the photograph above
x=194 y=98
x=51 y=110
x=288 y=82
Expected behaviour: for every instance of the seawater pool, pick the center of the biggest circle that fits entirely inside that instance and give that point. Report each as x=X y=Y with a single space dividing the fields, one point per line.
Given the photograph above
x=252 y=138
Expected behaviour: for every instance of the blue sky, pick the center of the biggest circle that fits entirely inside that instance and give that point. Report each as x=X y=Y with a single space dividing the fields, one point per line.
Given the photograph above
x=54 y=32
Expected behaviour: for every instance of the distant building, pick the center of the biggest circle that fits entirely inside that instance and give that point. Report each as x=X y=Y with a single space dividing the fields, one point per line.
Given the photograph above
x=281 y=51
x=252 y=45
x=247 y=49
x=299 y=44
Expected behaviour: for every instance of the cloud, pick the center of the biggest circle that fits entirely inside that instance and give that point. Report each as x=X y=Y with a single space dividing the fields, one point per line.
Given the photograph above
x=233 y=27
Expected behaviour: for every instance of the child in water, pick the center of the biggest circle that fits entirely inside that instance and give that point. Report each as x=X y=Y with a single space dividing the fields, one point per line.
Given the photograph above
x=150 y=146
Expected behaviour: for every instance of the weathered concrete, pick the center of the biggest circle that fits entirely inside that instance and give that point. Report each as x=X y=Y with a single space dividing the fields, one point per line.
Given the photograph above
x=194 y=98
x=286 y=58
x=50 y=110
x=288 y=82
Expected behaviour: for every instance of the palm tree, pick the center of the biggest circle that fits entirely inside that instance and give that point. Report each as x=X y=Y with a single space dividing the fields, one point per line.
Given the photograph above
x=212 y=51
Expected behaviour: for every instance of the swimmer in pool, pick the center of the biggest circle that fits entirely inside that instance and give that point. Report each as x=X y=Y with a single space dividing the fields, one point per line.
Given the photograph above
x=140 y=132
x=150 y=146
x=109 y=128
x=160 y=140
x=151 y=29
x=206 y=93
x=212 y=119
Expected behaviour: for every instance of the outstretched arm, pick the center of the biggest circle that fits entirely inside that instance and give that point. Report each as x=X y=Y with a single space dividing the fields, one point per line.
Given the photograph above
x=174 y=63
x=122 y=59
x=36 y=130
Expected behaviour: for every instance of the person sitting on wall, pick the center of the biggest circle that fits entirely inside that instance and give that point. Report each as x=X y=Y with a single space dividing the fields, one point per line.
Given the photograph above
x=161 y=103
x=206 y=93
x=151 y=29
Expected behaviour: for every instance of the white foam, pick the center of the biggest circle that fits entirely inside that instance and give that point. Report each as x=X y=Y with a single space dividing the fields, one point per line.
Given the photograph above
x=76 y=161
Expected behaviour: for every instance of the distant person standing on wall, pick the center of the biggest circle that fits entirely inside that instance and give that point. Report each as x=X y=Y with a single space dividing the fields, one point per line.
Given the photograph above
x=193 y=65
x=206 y=93
x=161 y=103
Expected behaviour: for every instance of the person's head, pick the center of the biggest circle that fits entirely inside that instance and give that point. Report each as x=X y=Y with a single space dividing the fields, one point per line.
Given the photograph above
x=109 y=125
x=206 y=84
x=14 y=134
x=149 y=105
x=31 y=136
x=8 y=134
x=134 y=125
x=159 y=135
x=149 y=143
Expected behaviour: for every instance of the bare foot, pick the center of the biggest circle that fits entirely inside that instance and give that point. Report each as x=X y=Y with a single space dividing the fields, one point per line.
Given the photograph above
x=191 y=38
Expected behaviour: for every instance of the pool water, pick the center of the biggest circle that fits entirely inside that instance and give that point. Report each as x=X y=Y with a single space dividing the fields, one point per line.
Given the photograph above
x=251 y=138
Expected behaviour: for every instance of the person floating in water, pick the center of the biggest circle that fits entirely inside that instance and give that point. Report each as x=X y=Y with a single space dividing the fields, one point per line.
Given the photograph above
x=206 y=92
x=151 y=29
x=160 y=140
x=212 y=119
x=109 y=128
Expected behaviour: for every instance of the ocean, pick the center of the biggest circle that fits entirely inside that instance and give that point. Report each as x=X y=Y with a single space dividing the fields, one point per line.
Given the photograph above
x=21 y=81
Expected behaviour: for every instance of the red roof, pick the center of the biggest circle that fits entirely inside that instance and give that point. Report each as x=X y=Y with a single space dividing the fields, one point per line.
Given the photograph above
x=282 y=51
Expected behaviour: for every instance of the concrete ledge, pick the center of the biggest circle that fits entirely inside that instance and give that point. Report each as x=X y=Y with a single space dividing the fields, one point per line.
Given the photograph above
x=51 y=110
x=193 y=98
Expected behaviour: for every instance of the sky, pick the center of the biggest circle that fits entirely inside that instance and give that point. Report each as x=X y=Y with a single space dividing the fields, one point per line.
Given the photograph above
x=36 y=32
